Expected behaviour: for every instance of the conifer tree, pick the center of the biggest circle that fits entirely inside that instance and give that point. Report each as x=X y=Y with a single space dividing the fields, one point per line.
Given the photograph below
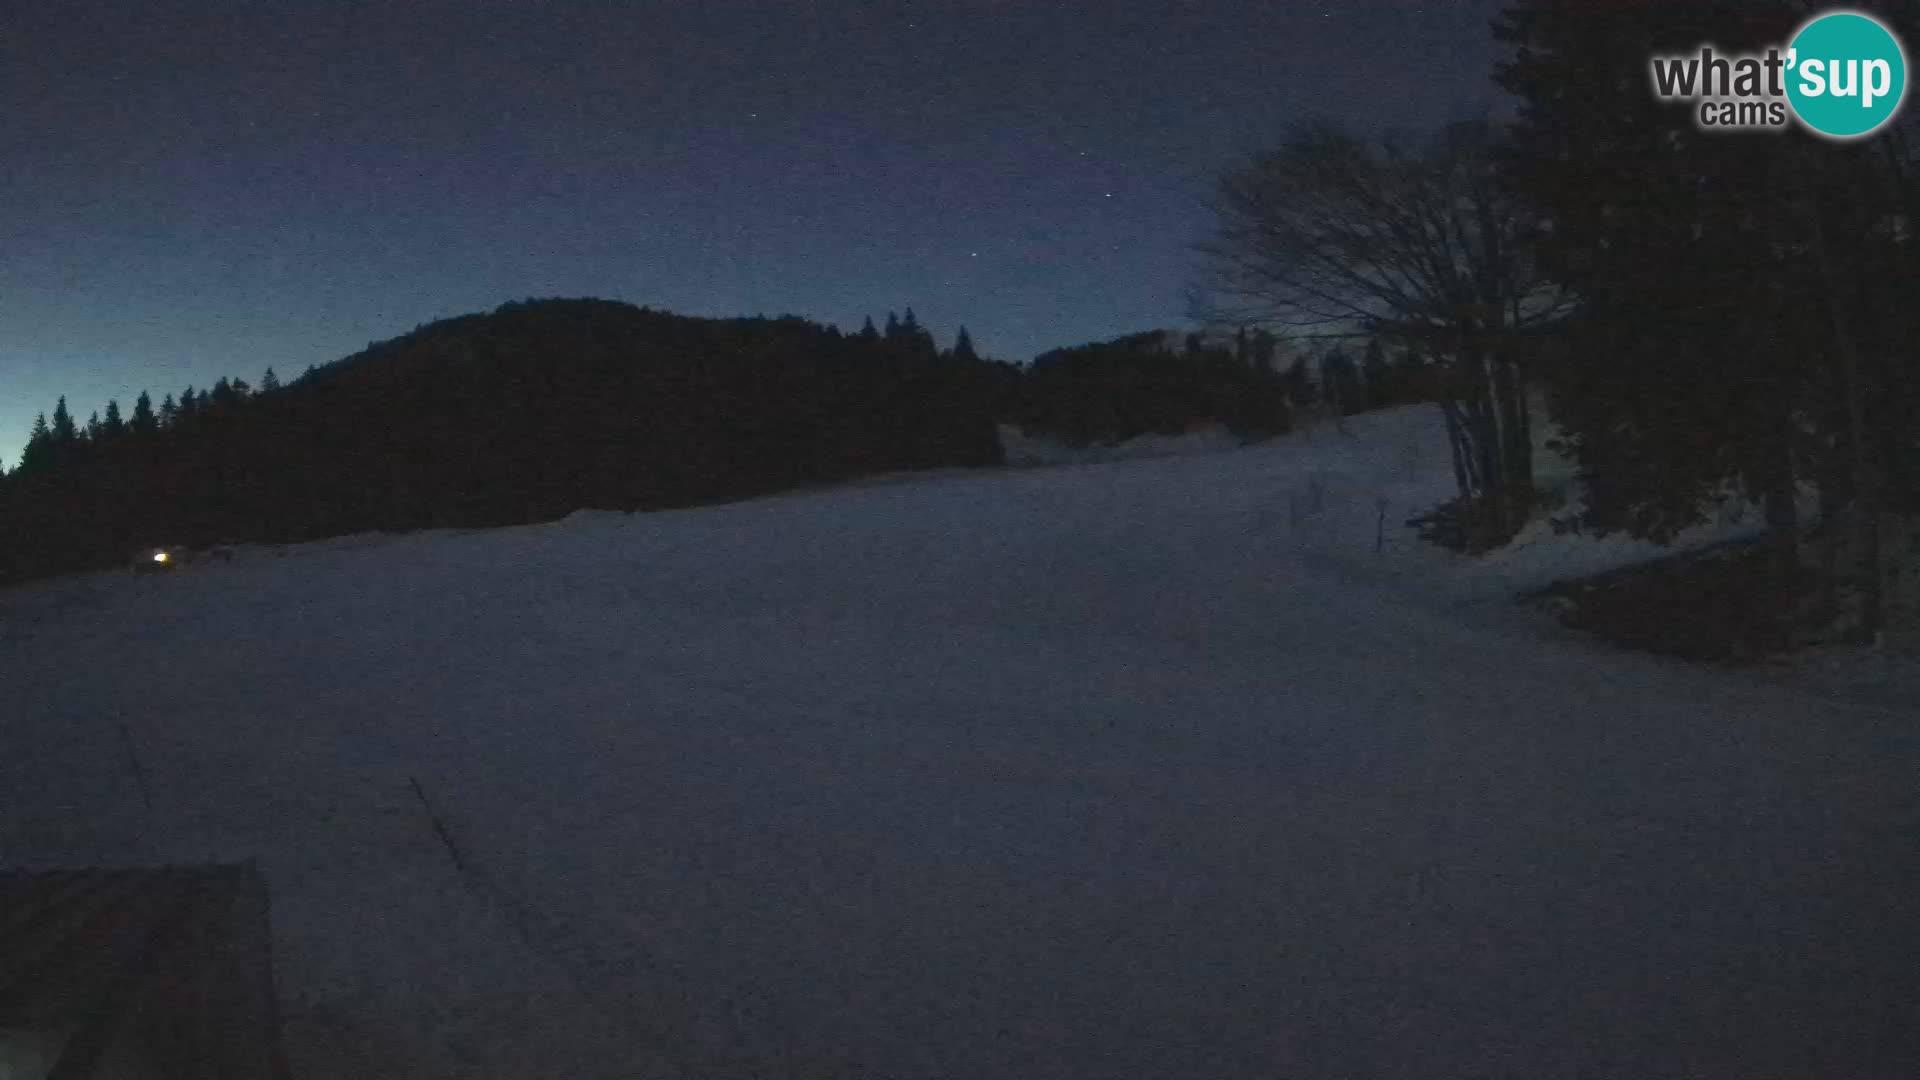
x=142 y=421
x=1301 y=391
x=64 y=433
x=1261 y=351
x=1341 y=383
x=39 y=450
x=963 y=348
x=1680 y=379
x=1375 y=377
x=111 y=425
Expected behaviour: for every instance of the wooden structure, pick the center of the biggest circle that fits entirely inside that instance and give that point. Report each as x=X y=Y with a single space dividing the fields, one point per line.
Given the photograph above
x=148 y=974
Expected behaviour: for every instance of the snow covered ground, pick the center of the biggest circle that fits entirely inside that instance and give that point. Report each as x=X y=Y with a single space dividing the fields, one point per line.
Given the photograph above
x=1026 y=450
x=1144 y=768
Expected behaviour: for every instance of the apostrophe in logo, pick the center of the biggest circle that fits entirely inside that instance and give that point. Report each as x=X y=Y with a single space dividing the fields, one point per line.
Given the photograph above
x=1847 y=75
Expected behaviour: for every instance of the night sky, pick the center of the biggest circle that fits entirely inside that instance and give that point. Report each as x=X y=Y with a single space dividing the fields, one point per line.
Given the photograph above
x=196 y=189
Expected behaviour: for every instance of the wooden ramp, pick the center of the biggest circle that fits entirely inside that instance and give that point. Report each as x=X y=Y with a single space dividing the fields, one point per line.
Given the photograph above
x=147 y=974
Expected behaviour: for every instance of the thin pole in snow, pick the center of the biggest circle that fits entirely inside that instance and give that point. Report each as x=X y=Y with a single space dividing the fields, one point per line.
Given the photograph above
x=133 y=760
x=439 y=827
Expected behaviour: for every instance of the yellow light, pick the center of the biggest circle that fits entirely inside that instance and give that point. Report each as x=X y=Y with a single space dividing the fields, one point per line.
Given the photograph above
x=159 y=556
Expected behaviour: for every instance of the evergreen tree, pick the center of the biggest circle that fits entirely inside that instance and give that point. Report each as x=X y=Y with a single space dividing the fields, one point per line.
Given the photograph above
x=189 y=403
x=867 y=332
x=893 y=327
x=39 y=451
x=1409 y=378
x=111 y=425
x=222 y=394
x=169 y=411
x=92 y=431
x=143 y=420
x=64 y=433
x=917 y=339
x=1686 y=369
x=1340 y=382
x=1261 y=351
x=1376 y=377
x=269 y=382
x=963 y=348
x=1302 y=393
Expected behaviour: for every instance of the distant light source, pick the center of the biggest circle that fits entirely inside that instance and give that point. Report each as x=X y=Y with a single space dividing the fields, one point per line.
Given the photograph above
x=160 y=556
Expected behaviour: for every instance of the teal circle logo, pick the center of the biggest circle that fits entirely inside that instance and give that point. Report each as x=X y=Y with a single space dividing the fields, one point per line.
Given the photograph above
x=1846 y=76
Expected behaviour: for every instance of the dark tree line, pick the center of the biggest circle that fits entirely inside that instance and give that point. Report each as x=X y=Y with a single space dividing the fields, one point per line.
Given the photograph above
x=1141 y=384
x=541 y=408
x=1375 y=381
x=524 y=414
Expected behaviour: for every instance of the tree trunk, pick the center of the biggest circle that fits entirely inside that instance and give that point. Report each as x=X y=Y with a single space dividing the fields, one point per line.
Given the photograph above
x=1463 y=477
x=1865 y=488
x=1517 y=441
x=1782 y=510
x=1484 y=420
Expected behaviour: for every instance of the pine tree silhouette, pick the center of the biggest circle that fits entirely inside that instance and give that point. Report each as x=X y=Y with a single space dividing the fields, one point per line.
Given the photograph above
x=39 y=450
x=963 y=348
x=1376 y=376
x=64 y=434
x=143 y=418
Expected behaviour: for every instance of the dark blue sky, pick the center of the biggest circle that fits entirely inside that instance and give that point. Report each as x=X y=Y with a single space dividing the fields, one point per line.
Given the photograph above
x=194 y=189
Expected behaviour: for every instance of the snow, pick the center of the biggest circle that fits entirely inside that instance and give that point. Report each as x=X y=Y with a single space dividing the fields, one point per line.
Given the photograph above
x=1031 y=450
x=1138 y=768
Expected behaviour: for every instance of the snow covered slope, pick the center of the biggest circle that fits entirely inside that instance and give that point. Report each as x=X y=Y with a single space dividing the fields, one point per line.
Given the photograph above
x=1024 y=449
x=1148 y=768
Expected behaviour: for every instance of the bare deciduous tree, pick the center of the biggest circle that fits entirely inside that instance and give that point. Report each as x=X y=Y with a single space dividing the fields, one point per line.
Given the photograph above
x=1332 y=234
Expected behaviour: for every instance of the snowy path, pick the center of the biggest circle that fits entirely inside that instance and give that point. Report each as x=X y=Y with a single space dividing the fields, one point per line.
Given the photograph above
x=1073 y=772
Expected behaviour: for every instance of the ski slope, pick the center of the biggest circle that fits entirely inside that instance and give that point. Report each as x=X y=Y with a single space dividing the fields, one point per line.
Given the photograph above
x=1149 y=768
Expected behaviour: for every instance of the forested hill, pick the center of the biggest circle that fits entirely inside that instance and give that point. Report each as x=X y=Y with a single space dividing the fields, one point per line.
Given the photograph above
x=524 y=414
